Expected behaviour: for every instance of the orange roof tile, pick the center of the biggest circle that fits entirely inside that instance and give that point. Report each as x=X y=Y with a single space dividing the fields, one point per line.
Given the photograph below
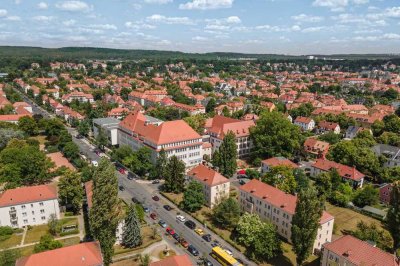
x=207 y=175
x=22 y=195
x=277 y=161
x=178 y=260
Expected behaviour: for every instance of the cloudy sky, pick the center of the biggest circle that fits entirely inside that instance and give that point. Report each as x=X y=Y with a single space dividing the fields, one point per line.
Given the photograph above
x=248 y=26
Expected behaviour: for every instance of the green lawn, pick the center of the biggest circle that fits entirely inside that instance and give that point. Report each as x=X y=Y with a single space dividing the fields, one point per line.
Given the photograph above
x=35 y=233
x=11 y=242
x=70 y=241
x=69 y=221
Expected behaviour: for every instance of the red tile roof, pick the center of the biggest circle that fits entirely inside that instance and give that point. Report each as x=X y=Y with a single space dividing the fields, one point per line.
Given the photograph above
x=359 y=252
x=302 y=119
x=178 y=260
x=207 y=175
x=85 y=254
x=344 y=170
x=23 y=195
x=277 y=161
x=89 y=192
x=221 y=125
x=276 y=197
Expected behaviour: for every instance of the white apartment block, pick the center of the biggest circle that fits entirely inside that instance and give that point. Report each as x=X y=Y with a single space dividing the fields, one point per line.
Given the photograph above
x=305 y=123
x=279 y=207
x=25 y=206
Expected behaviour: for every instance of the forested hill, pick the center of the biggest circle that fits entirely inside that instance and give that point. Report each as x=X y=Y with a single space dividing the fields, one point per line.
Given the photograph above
x=81 y=53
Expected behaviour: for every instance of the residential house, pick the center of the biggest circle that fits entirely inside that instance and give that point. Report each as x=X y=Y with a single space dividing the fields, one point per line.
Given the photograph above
x=306 y=123
x=316 y=148
x=352 y=131
x=391 y=153
x=25 y=206
x=278 y=207
x=215 y=186
x=324 y=127
x=349 y=250
x=79 y=96
x=267 y=164
x=350 y=174
x=384 y=192
x=177 y=260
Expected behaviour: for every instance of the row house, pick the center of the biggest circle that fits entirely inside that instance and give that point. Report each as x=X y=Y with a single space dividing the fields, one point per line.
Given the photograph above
x=175 y=137
x=325 y=126
x=278 y=207
x=78 y=87
x=316 y=148
x=191 y=109
x=349 y=174
x=218 y=126
x=118 y=112
x=22 y=108
x=114 y=99
x=79 y=96
x=147 y=97
x=305 y=123
x=25 y=206
x=267 y=164
x=215 y=186
x=70 y=115
x=13 y=118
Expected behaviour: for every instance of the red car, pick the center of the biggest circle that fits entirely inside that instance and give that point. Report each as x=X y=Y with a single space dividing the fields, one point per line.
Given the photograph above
x=241 y=172
x=170 y=231
x=153 y=216
x=122 y=171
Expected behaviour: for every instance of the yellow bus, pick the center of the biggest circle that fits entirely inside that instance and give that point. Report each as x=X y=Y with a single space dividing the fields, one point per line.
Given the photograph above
x=224 y=258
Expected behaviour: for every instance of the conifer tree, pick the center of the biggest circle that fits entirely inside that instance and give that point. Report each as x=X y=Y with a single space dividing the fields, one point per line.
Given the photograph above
x=393 y=215
x=131 y=235
x=174 y=175
x=226 y=156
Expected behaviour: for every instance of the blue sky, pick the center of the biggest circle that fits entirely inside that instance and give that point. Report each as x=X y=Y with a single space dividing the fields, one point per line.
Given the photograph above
x=248 y=26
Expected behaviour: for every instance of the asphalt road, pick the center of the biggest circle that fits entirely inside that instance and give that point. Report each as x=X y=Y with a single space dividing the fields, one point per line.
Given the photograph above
x=143 y=192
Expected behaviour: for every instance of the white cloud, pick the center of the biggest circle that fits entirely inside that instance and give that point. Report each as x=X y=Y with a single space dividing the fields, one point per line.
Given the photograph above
x=295 y=28
x=163 y=42
x=206 y=4
x=199 y=38
x=360 y=2
x=338 y=5
x=307 y=18
x=13 y=18
x=312 y=29
x=391 y=36
x=43 y=18
x=156 y=18
x=161 y=2
x=42 y=5
x=74 y=6
x=103 y=26
x=3 y=12
x=69 y=22
x=138 y=25
x=393 y=12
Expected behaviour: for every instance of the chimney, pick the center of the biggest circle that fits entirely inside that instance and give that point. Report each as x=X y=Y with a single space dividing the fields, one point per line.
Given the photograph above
x=347 y=253
x=252 y=190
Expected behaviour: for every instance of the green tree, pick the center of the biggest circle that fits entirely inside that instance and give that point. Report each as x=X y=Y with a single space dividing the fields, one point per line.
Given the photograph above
x=47 y=242
x=54 y=225
x=140 y=212
x=281 y=177
x=393 y=215
x=174 y=175
x=28 y=125
x=366 y=196
x=161 y=164
x=9 y=256
x=330 y=137
x=6 y=134
x=105 y=212
x=226 y=157
x=211 y=105
x=392 y=123
x=52 y=127
x=305 y=109
x=193 y=197
x=83 y=128
x=121 y=153
x=274 y=135
x=197 y=122
x=70 y=191
x=371 y=232
x=227 y=213
x=145 y=259
x=101 y=139
x=131 y=235
x=71 y=150
x=305 y=223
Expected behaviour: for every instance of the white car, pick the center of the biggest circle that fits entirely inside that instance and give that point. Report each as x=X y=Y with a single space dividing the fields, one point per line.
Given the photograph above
x=180 y=218
x=95 y=163
x=229 y=252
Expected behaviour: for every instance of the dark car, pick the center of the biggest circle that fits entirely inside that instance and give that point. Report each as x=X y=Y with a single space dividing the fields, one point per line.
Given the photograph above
x=134 y=200
x=121 y=188
x=207 y=262
x=153 y=216
x=130 y=176
x=156 y=181
x=193 y=250
x=167 y=207
x=162 y=224
x=146 y=209
x=242 y=182
x=207 y=237
x=156 y=198
x=215 y=243
x=176 y=236
x=190 y=224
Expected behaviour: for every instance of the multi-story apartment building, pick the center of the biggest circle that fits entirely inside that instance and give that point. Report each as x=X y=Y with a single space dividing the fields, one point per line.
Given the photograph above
x=218 y=126
x=215 y=186
x=175 y=137
x=305 y=123
x=25 y=206
x=79 y=96
x=279 y=207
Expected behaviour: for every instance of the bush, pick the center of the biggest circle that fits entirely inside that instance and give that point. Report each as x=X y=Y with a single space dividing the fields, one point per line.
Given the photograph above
x=72 y=232
x=68 y=214
x=6 y=231
x=51 y=149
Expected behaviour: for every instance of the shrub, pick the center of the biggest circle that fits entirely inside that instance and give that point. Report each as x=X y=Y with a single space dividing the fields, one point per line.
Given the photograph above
x=6 y=231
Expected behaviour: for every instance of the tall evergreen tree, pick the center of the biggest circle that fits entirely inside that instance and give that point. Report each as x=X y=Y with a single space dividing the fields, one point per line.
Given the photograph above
x=305 y=223
x=131 y=235
x=393 y=215
x=105 y=212
x=174 y=175
x=226 y=157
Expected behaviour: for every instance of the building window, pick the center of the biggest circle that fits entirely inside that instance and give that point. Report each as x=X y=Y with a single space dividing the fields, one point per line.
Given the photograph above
x=41 y=204
x=33 y=212
x=25 y=221
x=32 y=205
x=23 y=206
x=43 y=218
x=24 y=214
x=41 y=211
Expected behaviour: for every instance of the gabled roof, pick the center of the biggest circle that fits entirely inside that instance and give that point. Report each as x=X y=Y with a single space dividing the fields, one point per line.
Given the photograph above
x=302 y=119
x=278 y=161
x=23 y=195
x=344 y=170
x=85 y=254
x=206 y=175
x=221 y=125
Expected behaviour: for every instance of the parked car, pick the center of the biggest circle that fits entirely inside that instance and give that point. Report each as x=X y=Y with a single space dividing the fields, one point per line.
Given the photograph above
x=207 y=237
x=162 y=224
x=156 y=181
x=207 y=262
x=180 y=218
x=146 y=209
x=215 y=243
x=121 y=188
x=153 y=216
x=176 y=237
x=242 y=182
x=134 y=200
x=183 y=242
x=170 y=231
x=155 y=198
x=130 y=176
x=122 y=171
x=167 y=207
x=193 y=250
x=199 y=231
x=190 y=224
x=230 y=253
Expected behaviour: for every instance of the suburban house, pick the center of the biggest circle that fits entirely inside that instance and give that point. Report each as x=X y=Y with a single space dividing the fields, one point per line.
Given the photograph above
x=25 y=206
x=215 y=186
x=391 y=153
x=278 y=207
x=109 y=126
x=84 y=254
x=79 y=96
x=175 y=137
x=218 y=126
x=348 y=250
x=177 y=260
x=306 y=123
x=148 y=97
x=324 y=127
x=267 y=164
x=352 y=131
x=316 y=148
x=350 y=174
x=384 y=192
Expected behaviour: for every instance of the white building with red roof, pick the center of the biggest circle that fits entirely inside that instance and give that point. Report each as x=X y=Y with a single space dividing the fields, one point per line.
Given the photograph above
x=278 y=207
x=306 y=123
x=215 y=186
x=175 y=137
x=177 y=260
x=350 y=174
x=25 y=206
x=267 y=164
x=348 y=250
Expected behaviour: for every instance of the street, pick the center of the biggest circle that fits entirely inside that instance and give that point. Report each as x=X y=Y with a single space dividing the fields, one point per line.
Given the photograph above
x=142 y=191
